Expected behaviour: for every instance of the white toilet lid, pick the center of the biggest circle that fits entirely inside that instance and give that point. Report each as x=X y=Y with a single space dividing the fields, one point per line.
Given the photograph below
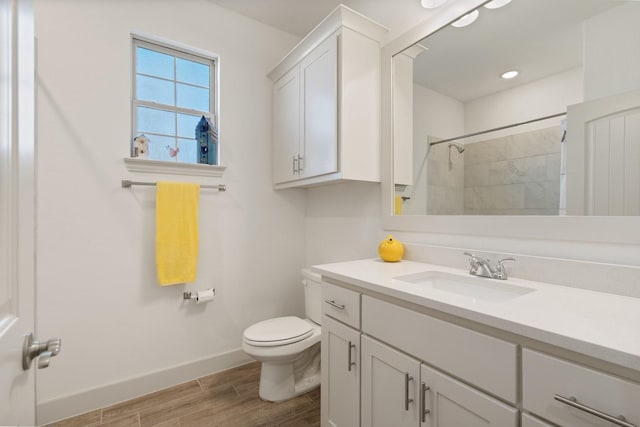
x=277 y=331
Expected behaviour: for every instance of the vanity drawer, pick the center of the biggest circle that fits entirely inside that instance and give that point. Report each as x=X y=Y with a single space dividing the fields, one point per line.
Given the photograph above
x=544 y=378
x=487 y=362
x=342 y=304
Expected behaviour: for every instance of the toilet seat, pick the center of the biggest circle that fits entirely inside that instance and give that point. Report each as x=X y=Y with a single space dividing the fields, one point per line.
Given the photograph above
x=278 y=331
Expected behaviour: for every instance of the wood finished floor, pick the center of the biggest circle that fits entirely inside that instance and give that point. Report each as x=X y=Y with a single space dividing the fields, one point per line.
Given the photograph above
x=228 y=398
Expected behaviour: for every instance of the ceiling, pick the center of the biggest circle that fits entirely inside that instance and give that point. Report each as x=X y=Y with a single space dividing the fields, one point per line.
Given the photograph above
x=299 y=17
x=537 y=37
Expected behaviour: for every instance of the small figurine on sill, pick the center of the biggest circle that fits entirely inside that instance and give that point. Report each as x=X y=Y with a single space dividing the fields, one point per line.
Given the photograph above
x=140 y=147
x=173 y=151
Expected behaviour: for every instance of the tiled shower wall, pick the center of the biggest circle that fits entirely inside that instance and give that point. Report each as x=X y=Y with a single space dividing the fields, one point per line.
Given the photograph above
x=445 y=181
x=513 y=175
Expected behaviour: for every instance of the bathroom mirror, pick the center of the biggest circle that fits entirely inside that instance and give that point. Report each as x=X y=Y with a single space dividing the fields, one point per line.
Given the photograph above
x=562 y=137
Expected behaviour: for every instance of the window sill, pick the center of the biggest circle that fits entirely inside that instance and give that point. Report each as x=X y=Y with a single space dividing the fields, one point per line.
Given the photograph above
x=158 y=166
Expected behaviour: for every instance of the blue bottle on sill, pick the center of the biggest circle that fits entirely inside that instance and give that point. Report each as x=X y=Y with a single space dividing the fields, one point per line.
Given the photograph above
x=207 y=139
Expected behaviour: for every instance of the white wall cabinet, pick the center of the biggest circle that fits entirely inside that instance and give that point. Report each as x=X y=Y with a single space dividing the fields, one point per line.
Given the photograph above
x=286 y=126
x=326 y=104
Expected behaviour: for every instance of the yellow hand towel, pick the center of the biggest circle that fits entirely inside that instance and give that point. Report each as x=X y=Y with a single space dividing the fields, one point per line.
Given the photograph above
x=177 y=232
x=397 y=205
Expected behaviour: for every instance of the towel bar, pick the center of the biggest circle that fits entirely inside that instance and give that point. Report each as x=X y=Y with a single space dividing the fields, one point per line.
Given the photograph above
x=128 y=183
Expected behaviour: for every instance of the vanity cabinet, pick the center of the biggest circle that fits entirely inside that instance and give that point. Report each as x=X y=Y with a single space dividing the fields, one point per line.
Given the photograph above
x=326 y=104
x=432 y=360
x=530 y=421
x=340 y=357
x=450 y=403
x=389 y=386
x=561 y=391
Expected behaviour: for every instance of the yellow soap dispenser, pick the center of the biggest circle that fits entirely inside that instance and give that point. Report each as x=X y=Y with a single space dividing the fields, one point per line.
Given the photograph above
x=390 y=250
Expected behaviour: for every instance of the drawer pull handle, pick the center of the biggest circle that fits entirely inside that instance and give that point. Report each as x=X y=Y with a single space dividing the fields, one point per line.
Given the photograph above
x=423 y=402
x=349 y=362
x=407 y=378
x=573 y=402
x=335 y=304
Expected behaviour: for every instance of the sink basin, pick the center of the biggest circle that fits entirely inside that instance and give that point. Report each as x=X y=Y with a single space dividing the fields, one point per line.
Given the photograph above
x=475 y=288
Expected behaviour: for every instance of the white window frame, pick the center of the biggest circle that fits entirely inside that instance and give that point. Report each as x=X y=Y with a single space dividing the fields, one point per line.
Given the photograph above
x=186 y=52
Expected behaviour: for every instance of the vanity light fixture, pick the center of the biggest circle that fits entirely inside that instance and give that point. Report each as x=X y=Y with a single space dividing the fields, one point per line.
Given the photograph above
x=432 y=4
x=467 y=19
x=509 y=75
x=495 y=4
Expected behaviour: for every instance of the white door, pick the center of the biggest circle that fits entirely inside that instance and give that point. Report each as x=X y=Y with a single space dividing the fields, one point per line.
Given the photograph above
x=602 y=135
x=389 y=386
x=17 y=388
x=450 y=403
x=340 y=374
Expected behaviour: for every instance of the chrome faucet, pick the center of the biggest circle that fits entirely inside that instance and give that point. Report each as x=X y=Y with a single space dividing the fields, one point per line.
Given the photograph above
x=482 y=267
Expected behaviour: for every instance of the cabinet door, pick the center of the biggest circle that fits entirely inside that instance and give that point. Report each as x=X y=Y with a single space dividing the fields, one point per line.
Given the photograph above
x=389 y=386
x=319 y=101
x=286 y=126
x=450 y=403
x=531 y=421
x=340 y=402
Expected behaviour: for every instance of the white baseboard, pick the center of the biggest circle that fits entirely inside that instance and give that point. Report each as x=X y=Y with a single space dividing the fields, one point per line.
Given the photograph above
x=109 y=394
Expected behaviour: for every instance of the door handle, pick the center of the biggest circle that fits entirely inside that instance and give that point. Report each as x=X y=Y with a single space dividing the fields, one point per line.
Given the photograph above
x=43 y=350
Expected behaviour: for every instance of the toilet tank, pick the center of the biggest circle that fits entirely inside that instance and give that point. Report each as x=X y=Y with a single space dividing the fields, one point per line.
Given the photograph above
x=312 y=295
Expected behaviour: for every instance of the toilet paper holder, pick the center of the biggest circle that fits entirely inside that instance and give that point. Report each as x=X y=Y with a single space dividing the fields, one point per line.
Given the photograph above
x=188 y=295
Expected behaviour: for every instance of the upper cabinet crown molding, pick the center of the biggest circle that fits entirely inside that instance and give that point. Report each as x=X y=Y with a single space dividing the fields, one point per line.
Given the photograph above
x=341 y=17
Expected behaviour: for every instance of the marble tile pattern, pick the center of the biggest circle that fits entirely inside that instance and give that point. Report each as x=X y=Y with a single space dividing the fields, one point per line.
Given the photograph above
x=228 y=398
x=445 y=177
x=513 y=175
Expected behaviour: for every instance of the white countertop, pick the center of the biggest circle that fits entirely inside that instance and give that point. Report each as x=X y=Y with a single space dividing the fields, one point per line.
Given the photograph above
x=597 y=324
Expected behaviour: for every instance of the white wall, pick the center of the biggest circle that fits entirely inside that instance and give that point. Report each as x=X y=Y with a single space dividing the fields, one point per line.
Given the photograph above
x=343 y=222
x=612 y=56
x=525 y=102
x=95 y=241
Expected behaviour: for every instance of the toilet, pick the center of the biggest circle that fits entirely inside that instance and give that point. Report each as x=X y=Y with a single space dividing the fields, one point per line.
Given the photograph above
x=289 y=347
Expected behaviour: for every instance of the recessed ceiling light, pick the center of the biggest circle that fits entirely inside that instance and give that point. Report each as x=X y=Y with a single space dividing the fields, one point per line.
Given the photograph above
x=509 y=75
x=432 y=4
x=495 y=4
x=467 y=19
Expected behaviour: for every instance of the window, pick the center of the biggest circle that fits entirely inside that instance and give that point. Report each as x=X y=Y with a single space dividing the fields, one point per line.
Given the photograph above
x=174 y=117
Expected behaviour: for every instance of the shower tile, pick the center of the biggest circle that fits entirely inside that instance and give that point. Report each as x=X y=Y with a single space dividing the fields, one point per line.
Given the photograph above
x=486 y=151
x=528 y=169
x=544 y=141
x=553 y=167
x=501 y=197
x=542 y=195
x=476 y=175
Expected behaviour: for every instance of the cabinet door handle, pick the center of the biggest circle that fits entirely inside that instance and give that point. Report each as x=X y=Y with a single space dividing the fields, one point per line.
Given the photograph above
x=300 y=163
x=573 y=402
x=295 y=164
x=350 y=363
x=407 y=378
x=423 y=402
x=333 y=303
